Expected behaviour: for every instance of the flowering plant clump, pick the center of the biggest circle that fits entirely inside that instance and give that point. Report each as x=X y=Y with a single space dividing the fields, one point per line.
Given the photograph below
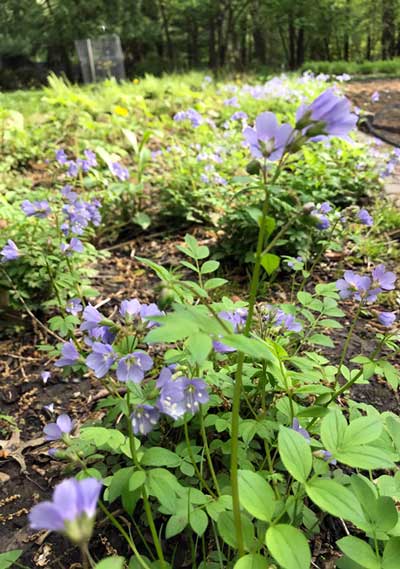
x=226 y=428
x=233 y=421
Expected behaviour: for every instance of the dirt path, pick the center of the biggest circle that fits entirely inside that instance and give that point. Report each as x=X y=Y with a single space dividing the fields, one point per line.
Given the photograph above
x=384 y=118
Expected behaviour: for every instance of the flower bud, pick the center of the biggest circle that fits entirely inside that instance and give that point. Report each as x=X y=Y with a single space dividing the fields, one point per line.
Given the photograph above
x=253 y=167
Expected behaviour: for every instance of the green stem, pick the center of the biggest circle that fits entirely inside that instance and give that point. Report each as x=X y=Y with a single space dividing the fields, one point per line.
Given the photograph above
x=347 y=342
x=194 y=464
x=208 y=454
x=319 y=256
x=124 y=534
x=239 y=370
x=145 y=498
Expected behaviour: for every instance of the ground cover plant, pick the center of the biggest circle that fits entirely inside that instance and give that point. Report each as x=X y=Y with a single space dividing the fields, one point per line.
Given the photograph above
x=227 y=433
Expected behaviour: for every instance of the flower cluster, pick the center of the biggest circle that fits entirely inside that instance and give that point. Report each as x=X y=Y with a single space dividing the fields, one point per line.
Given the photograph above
x=78 y=213
x=319 y=214
x=80 y=164
x=328 y=115
x=177 y=395
x=191 y=115
x=277 y=318
x=366 y=288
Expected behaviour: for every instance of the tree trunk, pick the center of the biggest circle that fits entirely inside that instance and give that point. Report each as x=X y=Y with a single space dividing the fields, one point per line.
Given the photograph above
x=258 y=32
x=165 y=25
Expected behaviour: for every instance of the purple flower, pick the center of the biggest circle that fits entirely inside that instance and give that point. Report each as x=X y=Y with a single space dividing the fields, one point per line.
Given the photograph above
x=9 y=252
x=328 y=457
x=144 y=418
x=327 y=115
x=73 y=168
x=292 y=264
x=68 y=193
x=303 y=432
x=75 y=245
x=268 y=139
x=36 y=209
x=237 y=319
x=195 y=392
x=90 y=158
x=352 y=284
x=55 y=431
x=191 y=114
x=74 y=306
x=133 y=367
x=365 y=218
x=387 y=319
x=239 y=115
x=287 y=321
x=147 y=311
x=72 y=510
x=45 y=375
x=101 y=359
x=70 y=355
x=91 y=318
x=383 y=278
x=357 y=287
x=61 y=157
x=375 y=97
x=119 y=171
x=171 y=400
x=232 y=102
x=130 y=308
x=325 y=207
x=99 y=334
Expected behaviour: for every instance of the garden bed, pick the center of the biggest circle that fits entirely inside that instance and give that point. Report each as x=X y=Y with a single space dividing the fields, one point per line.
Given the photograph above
x=155 y=190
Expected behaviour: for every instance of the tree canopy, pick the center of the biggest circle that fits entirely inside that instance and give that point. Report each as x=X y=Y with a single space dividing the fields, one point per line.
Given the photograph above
x=179 y=34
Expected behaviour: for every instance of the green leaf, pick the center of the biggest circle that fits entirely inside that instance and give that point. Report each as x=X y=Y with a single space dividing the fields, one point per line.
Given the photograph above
x=391 y=554
x=328 y=323
x=198 y=521
x=118 y=482
x=8 y=558
x=114 y=562
x=362 y=431
x=270 y=262
x=295 y=453
x=333 y=428
x=209 y=267
x=288 y=546
x=137 y=480
x=176 y=524
x=199 y=346
x=164 y=486
x=367 y=457
x=253 y=347
x=256 y=495
x=359 y=551
x=226 y=529
x=132 y=139
x=251 y=561
x=335 y=499
x=321 y=340
x=158 y=456
x=142 y=219
x=214 y=283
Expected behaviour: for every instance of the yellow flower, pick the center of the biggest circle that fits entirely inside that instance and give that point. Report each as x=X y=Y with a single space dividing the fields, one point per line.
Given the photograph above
x=121 y=111
x=135 y=81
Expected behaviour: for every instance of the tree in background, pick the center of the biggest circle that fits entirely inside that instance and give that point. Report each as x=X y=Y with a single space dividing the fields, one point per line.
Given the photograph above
x=162 y=35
